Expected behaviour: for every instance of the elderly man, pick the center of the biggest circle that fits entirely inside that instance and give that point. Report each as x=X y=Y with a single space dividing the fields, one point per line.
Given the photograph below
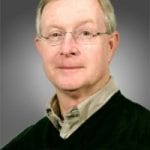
x=76 y=40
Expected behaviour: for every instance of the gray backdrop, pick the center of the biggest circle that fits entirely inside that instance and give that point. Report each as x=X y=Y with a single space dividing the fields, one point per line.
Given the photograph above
x=24 y=87
x=0 y=81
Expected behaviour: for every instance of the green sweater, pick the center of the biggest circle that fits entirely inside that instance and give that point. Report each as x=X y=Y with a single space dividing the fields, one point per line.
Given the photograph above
x=119 y=125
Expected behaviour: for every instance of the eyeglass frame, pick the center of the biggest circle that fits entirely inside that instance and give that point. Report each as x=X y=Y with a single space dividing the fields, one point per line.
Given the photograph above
x=73 y=35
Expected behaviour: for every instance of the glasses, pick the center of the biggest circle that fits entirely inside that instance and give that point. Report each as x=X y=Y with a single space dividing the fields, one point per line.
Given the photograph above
x=84 y=36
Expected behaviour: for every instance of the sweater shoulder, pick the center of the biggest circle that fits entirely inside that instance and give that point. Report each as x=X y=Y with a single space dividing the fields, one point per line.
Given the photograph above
x=132 y=116
x=128 y=105
x=28 y=134
x=134 y=108
x=128 y=114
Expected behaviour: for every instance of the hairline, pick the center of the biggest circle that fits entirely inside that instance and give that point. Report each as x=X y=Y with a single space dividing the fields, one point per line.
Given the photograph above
x=108 y=21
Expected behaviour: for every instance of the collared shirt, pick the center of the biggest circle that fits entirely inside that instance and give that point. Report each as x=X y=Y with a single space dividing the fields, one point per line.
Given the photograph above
x=79 y=114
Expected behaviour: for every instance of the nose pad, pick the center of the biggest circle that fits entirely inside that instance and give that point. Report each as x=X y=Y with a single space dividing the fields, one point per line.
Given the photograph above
x=69 y=45
x=70 y=37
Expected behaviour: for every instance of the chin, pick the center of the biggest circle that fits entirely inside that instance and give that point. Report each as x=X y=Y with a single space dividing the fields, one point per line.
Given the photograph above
x=68 y=83
x=69 y=86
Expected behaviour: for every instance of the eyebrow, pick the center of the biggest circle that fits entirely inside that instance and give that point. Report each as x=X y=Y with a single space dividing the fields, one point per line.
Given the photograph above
x=80 y=23
x=85 y=22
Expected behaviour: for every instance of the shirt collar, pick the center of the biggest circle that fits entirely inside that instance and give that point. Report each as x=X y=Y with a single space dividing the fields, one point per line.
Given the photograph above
x=78 y=115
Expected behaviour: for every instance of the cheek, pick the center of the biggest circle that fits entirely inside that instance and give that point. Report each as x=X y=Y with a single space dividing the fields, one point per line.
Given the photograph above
x=48 y=60
x=49 y=67
x=97 y=59
x=97 y=54
x=47 y=57
x=99 y=63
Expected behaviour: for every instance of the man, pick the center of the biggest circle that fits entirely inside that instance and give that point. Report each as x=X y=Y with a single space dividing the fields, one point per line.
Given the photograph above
x=76 y=40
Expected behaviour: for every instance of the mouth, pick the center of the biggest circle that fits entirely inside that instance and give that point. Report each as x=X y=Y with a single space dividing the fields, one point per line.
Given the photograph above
x=70 y=68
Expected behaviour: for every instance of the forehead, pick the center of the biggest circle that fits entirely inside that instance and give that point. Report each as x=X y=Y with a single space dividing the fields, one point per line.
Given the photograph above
x=67 y=12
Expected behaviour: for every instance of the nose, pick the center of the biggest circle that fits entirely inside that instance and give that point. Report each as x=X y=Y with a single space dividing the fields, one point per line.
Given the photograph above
x=69 y=46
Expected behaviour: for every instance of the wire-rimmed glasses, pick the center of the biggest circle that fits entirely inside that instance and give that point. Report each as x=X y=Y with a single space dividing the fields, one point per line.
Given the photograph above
x=84 y=36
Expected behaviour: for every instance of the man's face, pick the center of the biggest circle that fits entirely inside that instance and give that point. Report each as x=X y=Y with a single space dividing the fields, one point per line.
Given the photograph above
x=72 y=65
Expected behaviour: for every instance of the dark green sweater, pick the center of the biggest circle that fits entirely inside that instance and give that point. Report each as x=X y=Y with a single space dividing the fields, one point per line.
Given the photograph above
x=119 y=125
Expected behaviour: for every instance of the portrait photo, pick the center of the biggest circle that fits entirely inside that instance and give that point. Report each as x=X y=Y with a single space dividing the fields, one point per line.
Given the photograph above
x=29 y=55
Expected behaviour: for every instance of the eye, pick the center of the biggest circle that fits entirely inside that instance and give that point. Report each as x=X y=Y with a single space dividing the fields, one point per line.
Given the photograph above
x=85 y=34
x=56 y=35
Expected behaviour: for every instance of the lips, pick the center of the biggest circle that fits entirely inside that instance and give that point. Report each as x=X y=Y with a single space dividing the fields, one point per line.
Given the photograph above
x=70 y=67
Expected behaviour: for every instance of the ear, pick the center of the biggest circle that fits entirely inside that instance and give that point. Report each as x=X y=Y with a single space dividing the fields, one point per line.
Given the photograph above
x=38 y=45
x=113 y=44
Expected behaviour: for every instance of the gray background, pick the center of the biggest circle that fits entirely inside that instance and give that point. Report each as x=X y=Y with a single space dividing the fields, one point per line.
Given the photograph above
x=0 y=81
x=24 y=88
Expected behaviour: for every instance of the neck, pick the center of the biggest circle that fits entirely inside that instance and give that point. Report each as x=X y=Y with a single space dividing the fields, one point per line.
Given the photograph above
x=69 y=99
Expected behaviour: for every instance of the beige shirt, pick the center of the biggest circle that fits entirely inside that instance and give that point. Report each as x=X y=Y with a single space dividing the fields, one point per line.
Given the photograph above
x=78 y=115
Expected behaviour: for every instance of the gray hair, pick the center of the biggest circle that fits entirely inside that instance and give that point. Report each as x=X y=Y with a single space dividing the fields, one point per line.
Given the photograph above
x=109 y=15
